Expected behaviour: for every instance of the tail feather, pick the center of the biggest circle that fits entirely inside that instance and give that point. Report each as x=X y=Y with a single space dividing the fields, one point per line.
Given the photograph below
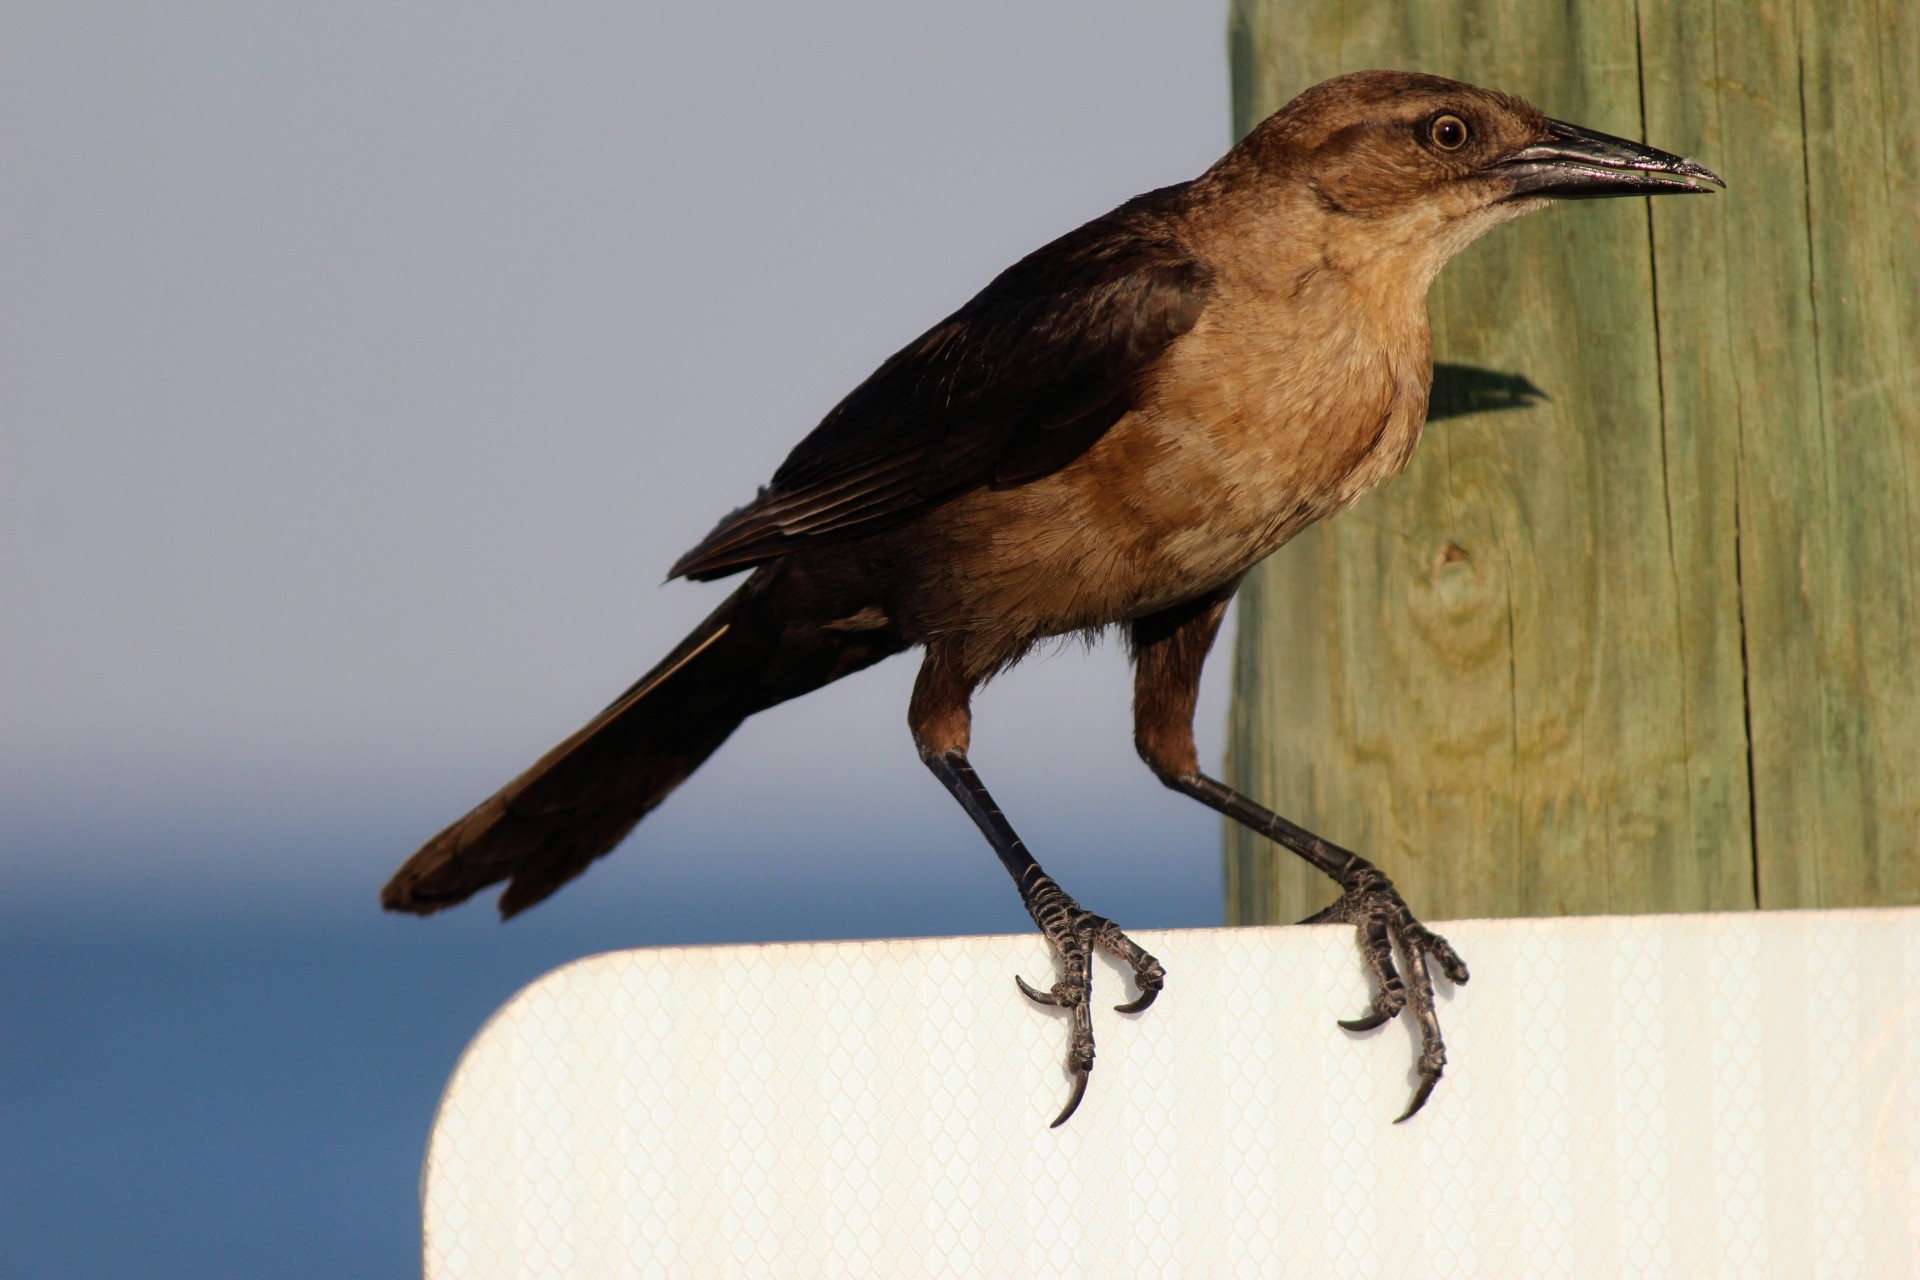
x=583 y=797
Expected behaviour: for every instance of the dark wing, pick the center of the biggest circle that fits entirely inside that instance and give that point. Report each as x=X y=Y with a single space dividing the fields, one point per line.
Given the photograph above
x=1015 y=384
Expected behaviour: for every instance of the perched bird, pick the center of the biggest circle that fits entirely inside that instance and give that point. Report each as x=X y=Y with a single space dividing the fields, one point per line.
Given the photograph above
x=1112 y=432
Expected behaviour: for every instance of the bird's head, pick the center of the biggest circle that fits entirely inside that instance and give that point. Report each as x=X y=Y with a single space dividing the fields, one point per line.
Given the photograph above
x=1418 y=164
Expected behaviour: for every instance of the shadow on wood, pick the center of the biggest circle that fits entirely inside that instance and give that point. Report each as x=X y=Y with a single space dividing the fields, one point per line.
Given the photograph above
x=1461 y=389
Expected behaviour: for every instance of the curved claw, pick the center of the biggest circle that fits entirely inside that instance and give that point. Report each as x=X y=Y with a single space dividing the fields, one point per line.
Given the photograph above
x=1038 y=997
x=1073 y=1103
x=1147 y=996
x=1366 y=1021
x=1420 y=1096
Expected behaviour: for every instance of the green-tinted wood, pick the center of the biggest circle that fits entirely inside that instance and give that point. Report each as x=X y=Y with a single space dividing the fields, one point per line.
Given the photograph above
x=1526 y=674
x=1840 y=743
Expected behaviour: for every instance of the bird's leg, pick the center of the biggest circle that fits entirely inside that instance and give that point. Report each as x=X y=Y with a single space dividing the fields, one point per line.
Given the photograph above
x=1169 y=650
x=940 y=725
x=1368 y=901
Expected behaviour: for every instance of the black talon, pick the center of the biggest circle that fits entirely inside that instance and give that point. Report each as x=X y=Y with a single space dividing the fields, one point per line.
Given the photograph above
x=1420 y=1096
x=1366 y=1022
x=1134 y=1006
x=1073 y=1103
x=1038 y=997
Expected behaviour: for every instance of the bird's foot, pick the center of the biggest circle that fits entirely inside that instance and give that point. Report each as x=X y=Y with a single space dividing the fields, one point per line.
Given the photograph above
x=1371 y=903
x=1074 y=933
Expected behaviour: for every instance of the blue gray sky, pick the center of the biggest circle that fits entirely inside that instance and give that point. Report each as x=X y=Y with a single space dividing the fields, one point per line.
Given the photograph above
x=363 y=367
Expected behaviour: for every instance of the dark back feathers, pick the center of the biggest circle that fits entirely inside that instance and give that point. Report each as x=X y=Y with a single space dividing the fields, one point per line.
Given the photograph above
x=1014 y=385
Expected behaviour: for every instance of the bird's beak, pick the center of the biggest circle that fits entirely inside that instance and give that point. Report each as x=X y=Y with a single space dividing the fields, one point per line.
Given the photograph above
x=1572 y=163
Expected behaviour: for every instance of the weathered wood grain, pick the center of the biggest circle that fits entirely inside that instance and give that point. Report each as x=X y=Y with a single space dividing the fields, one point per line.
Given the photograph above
x=1646 y=643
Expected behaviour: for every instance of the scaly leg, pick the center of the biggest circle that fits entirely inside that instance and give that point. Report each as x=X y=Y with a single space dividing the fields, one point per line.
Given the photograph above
x=1169 y=650
x=941 y=723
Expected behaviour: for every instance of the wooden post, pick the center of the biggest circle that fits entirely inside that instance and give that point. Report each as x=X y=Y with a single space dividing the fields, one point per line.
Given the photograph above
x=1639 y=629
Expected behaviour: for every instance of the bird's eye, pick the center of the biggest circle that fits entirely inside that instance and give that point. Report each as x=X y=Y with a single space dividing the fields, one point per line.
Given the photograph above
x=1449 y=132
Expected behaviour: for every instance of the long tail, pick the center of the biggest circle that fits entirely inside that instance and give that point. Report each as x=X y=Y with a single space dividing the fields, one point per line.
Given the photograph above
x=584 y=796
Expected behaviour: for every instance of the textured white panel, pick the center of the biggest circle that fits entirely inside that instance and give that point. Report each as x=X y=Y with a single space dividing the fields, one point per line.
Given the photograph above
x=1725 y=1095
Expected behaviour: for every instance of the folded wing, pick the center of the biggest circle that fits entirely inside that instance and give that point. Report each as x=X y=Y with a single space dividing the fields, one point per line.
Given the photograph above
x=1013 y=385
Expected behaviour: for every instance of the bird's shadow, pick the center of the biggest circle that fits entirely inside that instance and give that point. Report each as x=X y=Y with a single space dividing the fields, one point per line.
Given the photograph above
x=1461 y=389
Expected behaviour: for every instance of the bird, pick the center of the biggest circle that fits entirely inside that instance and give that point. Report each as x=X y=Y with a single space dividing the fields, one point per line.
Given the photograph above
x=1110 y=434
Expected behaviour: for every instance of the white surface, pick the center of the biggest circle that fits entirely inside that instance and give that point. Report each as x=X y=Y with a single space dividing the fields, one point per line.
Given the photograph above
x=1727 y=1095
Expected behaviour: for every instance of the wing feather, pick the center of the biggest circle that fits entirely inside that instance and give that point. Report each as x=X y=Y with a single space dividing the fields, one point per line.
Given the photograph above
x=1012 y=386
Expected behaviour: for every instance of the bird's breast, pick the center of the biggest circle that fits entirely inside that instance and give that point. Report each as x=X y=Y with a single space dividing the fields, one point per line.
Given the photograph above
x=1243 y=437
x=1270 y=423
